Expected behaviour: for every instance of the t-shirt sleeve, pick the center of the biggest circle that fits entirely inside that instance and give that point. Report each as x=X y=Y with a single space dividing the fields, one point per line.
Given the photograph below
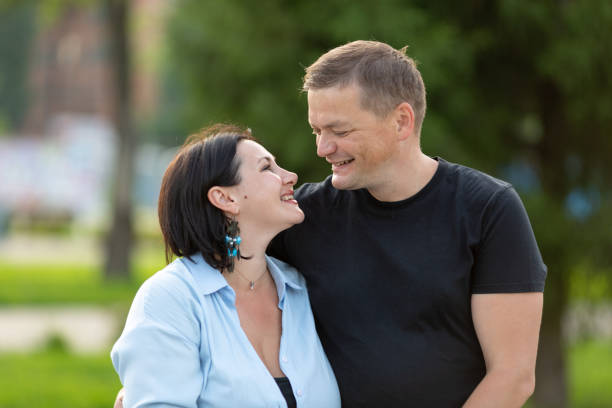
x=507 y=260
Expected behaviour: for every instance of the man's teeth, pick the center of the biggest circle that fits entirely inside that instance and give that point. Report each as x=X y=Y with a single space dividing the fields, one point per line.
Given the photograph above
x=287 y=197
x=343 y=162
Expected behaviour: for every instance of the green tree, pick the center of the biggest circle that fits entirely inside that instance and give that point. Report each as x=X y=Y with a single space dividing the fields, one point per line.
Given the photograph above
x=119 y=240
x=544 y=85
x=16 y=22
x=241 y=61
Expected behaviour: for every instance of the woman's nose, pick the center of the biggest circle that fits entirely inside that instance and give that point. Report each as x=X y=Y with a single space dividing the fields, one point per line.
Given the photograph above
x=290 y=177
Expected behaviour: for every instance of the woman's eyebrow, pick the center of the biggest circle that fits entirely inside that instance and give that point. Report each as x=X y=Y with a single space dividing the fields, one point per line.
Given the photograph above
x=268 y=158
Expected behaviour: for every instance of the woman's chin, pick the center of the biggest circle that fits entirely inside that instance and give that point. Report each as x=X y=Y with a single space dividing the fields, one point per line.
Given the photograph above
x=298 y=218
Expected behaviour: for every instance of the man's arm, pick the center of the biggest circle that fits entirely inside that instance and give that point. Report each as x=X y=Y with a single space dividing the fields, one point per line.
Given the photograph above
x=507 y=326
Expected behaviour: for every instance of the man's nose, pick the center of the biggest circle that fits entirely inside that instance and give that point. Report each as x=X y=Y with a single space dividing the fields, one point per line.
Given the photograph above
x=325 y=146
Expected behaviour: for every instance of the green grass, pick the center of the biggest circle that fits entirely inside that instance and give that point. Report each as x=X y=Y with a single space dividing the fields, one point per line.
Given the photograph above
x=31 y=283
x=57 y=379
x=590 y=374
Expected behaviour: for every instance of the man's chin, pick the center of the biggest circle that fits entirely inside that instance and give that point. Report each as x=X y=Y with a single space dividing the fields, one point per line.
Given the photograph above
x=343 y=183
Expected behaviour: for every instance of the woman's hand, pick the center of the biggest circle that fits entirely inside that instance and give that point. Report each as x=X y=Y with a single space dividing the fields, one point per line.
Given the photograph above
x=119 y=399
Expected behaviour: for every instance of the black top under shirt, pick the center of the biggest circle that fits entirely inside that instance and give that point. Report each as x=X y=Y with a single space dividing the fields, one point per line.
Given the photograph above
x=285 y=388
x=390 y=282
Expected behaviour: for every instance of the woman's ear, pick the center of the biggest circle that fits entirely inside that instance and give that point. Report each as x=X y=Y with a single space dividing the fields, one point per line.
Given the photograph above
x=222 y=198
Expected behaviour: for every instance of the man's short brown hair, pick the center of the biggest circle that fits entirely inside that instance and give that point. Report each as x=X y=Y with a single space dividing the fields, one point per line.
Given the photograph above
x=386 y=76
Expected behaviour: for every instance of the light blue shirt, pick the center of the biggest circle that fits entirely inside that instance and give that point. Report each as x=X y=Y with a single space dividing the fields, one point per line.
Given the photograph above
x=182 y=345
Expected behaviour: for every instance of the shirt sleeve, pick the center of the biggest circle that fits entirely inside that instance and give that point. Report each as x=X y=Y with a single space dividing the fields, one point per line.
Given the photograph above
x=507 y=260
x=157 y=356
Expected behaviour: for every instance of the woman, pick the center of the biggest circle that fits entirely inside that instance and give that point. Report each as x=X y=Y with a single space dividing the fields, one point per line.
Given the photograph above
x=224 y=325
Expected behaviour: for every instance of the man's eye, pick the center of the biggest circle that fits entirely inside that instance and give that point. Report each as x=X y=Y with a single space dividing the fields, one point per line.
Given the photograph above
x=340 y=132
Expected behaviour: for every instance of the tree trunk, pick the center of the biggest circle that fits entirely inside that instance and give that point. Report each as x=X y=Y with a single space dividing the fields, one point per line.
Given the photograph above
x=551 y=383
x=119 y=240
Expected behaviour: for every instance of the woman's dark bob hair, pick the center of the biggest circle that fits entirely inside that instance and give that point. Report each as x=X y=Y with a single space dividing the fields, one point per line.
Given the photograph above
x=189 y=222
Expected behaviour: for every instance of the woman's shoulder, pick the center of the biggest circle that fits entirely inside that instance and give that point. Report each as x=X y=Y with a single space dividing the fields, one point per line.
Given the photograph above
x=174 y=276
x=172 y=287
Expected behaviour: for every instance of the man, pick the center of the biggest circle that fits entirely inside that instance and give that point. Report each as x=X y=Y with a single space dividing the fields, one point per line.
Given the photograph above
x=424 y=276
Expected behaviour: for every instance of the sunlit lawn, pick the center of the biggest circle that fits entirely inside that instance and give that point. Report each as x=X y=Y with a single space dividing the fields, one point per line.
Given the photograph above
x=40 y=283
x=590 y=374
x=55 y=379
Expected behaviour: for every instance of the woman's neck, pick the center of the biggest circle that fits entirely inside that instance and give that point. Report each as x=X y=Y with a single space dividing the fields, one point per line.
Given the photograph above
x=249 y=274
x=252 y=272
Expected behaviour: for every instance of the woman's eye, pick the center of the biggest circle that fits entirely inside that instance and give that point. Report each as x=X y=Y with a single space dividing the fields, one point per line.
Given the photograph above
x=266 y=167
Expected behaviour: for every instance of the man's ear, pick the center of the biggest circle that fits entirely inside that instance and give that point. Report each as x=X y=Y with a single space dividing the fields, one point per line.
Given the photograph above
x=222 y=198
x=404 y=120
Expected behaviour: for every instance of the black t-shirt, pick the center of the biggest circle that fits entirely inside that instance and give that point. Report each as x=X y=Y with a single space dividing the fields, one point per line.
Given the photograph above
x=390 y=282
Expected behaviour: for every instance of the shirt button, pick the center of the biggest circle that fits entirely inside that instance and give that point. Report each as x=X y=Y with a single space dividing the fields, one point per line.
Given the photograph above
x=285 y=359
x=299 y=393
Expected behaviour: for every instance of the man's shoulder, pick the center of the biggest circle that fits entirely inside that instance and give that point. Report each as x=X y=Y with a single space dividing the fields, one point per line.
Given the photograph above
x=321 y=192
x=473 y=183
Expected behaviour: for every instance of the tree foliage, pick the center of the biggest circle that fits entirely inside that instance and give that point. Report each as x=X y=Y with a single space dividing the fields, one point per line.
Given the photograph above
x=242 y=62
x=16 y=22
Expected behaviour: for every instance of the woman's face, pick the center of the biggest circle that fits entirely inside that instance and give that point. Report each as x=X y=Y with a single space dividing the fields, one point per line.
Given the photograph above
x=265 y=192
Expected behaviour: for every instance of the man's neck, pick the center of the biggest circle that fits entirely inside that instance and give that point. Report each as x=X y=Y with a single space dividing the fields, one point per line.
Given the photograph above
x=408 y=178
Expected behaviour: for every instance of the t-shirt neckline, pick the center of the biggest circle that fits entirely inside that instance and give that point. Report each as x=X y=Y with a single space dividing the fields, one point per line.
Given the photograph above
x=432 y=184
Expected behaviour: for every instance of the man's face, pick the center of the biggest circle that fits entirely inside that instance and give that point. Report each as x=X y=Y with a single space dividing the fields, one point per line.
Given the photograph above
x=357 y=143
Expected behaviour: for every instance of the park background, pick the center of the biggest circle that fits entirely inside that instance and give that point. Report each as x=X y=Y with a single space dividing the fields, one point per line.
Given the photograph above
x=95 y=97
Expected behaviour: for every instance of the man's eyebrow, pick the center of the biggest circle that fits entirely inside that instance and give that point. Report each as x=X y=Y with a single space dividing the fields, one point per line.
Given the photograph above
x=336 y=123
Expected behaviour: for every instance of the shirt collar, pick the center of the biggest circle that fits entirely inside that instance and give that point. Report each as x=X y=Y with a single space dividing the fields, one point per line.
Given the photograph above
x=284 y=275
x=210 y=279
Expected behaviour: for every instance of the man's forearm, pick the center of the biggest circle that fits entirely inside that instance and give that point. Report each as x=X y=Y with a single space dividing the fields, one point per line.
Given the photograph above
x=502 y=389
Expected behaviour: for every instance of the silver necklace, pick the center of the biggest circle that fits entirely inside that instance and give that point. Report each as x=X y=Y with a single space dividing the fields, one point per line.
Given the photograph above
x=252 y=282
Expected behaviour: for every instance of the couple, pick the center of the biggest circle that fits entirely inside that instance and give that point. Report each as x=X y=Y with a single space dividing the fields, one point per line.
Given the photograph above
x=424 y=276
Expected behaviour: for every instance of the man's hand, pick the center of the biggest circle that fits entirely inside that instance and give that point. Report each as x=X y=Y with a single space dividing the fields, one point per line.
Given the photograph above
x=508 y=327
x=119 y=400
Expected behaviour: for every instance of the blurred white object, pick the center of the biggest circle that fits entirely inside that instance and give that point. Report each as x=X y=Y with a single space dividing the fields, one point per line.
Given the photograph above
x=67 y=172
x=64 y=172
